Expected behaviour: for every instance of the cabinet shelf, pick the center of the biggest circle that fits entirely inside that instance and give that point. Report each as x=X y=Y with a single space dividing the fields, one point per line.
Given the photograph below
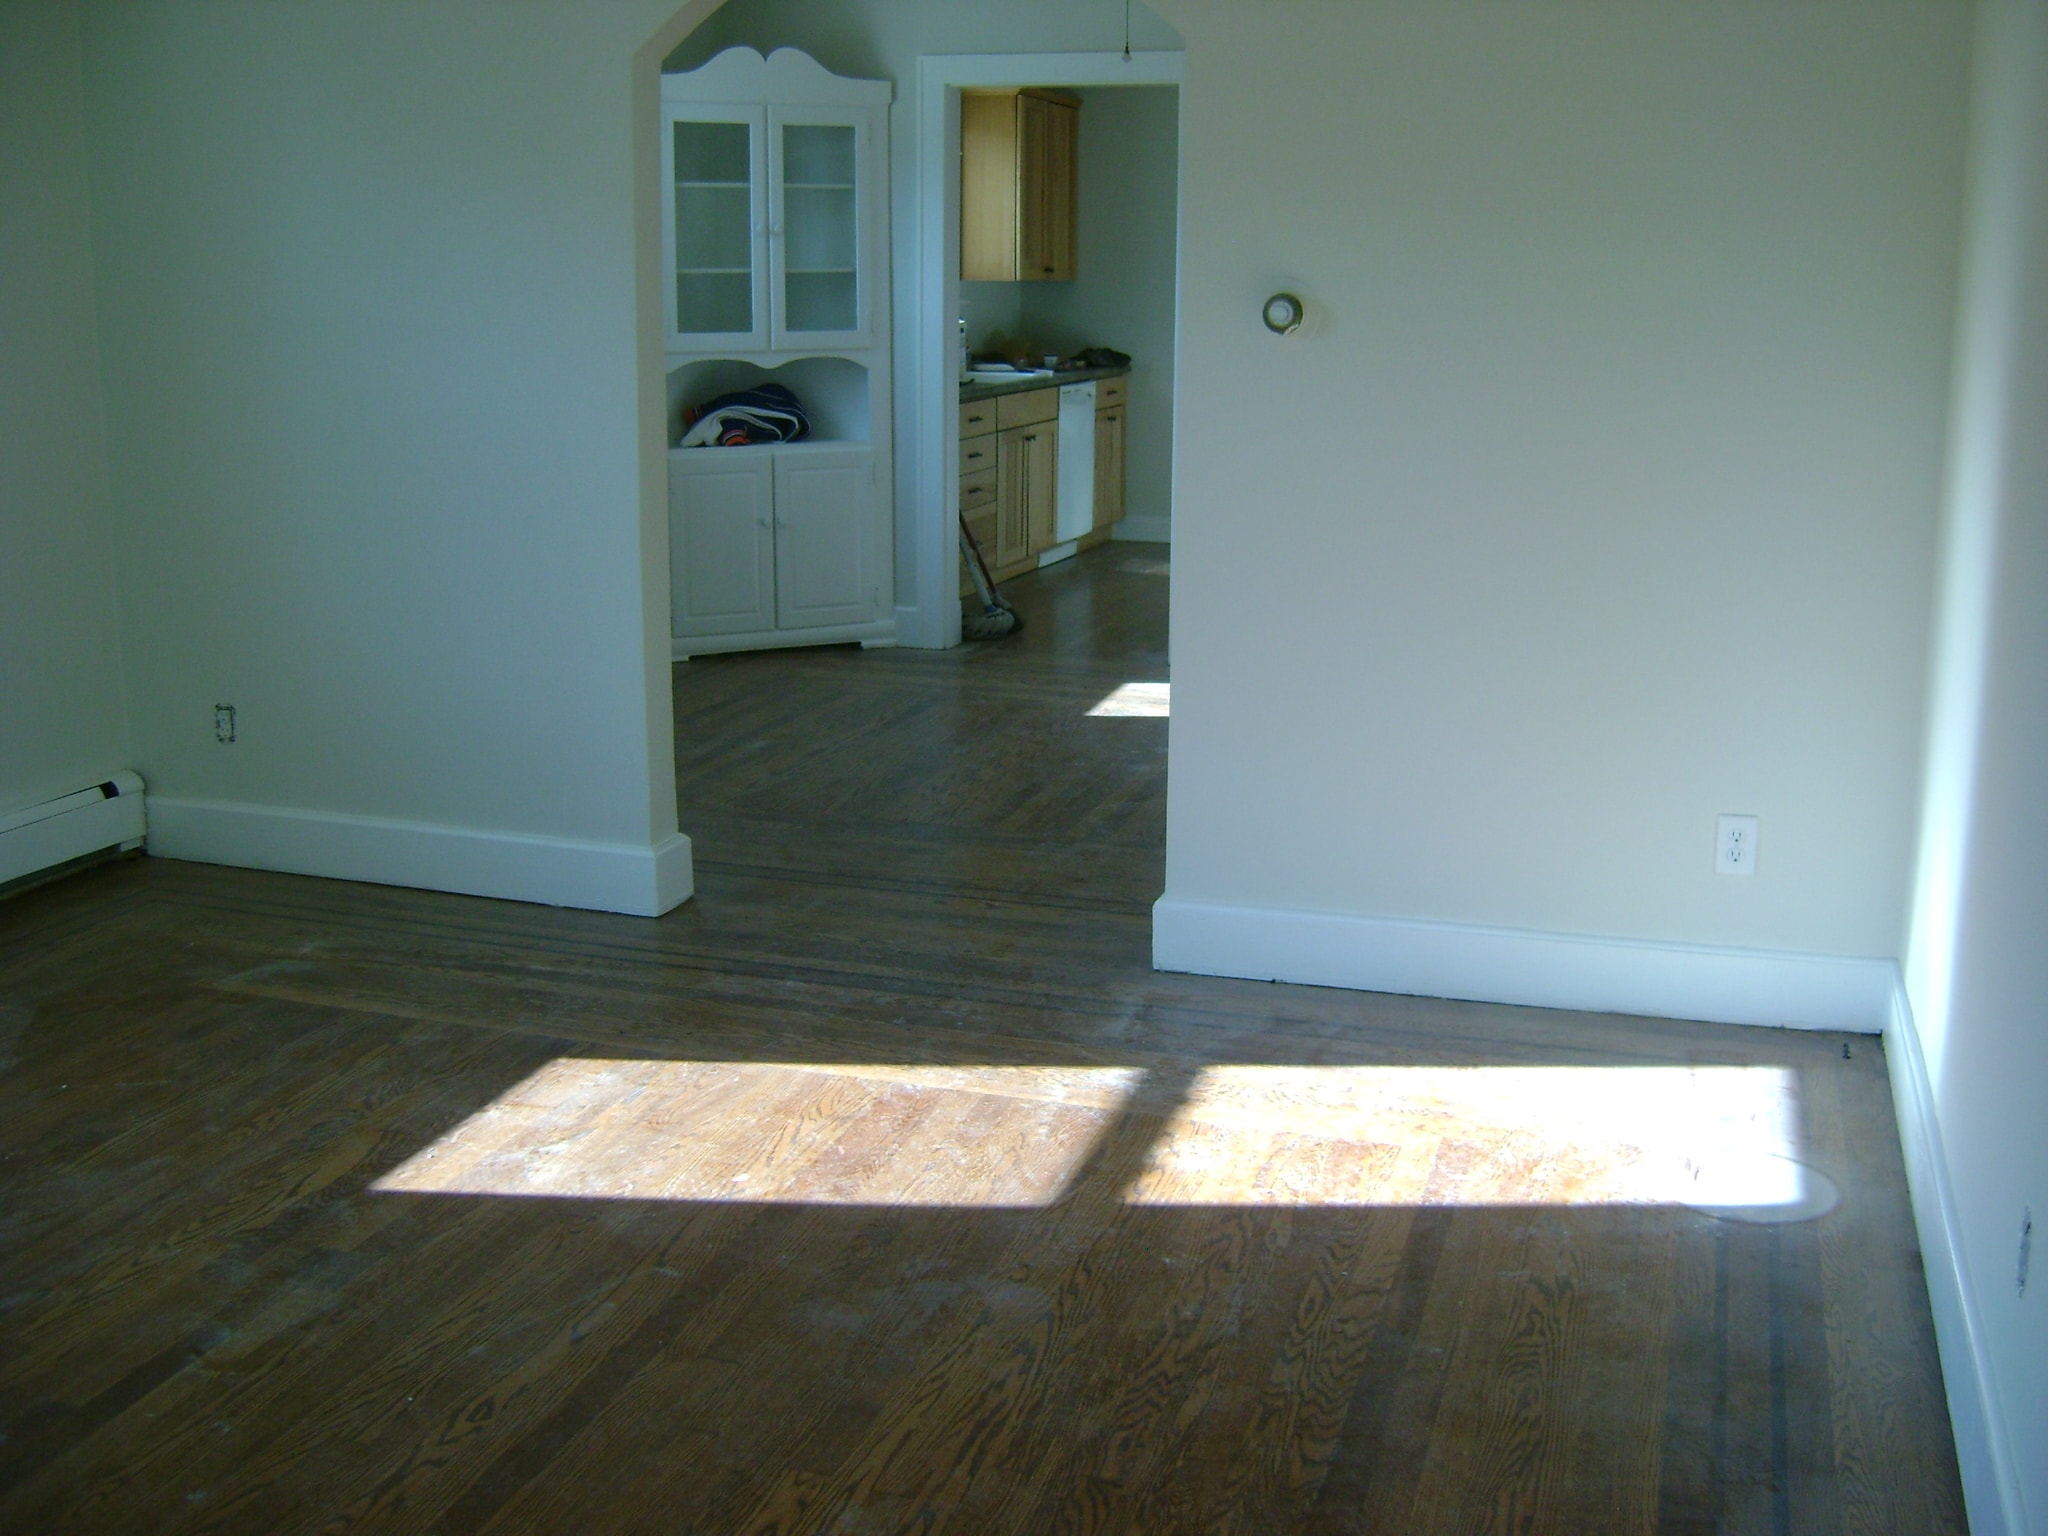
x=738 y=185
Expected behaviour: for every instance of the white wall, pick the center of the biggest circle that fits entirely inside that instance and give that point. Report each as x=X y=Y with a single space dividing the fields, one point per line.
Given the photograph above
x=1977 y=955
x=62 y=714
x=1605 y=501
x=992 y=311
x=1124 y=295
x=369 y=296
x=882 y=40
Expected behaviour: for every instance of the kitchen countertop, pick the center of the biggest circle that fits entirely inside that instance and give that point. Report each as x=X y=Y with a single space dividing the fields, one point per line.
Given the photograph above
x=1026 y=382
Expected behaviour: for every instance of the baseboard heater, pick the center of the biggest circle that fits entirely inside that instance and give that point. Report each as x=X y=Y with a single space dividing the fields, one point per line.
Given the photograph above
x=107 y=815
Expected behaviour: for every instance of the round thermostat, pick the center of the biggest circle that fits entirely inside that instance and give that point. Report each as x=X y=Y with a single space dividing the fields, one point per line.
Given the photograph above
x=1283 y=314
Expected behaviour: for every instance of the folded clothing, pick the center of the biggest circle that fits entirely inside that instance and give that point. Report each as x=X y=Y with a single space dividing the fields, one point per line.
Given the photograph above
x=769 y=414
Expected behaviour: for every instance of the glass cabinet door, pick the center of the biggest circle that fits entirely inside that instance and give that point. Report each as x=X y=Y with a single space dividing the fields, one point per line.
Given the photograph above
x=715 y=218
x=817 y=242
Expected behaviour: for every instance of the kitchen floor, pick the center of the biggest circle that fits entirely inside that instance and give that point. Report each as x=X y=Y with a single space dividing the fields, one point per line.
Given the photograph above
x=978 y=769
x=884 y=1187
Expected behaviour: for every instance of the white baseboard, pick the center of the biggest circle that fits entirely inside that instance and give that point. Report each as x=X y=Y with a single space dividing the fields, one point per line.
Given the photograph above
x=1506 y=965
x=605 y=877
x=1143 y=528
x=1990 y=1474
x=683 y=647
x=41 y=837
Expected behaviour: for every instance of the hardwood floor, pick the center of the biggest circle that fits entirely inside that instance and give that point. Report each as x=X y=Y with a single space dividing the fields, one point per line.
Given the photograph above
x=884 y=1187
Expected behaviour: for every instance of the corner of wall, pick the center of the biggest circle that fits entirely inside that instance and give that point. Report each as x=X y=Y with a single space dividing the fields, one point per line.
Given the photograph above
x=1983 y=1453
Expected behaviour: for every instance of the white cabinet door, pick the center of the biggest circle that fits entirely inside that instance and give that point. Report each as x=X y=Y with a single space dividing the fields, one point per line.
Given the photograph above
x=714 y=226
x=819 y=226
x=830 y=545
x=721 y=541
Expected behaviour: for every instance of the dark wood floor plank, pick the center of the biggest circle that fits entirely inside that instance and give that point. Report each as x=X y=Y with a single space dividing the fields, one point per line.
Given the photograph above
x=885 y=1187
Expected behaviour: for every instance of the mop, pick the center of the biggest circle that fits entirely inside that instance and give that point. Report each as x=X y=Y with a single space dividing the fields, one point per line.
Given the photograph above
x=997 y=618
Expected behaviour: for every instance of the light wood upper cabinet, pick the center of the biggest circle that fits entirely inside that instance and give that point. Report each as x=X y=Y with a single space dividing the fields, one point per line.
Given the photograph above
x=1019 y=180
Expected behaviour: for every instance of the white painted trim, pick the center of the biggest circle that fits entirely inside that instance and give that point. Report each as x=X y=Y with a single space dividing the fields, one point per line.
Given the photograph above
x=605 y=877
x=931 y=442
x=741 y=76
x=43 y=836
x=1991 y=1485
x=1506 y=965
x=877 y=632
x=1143 y=528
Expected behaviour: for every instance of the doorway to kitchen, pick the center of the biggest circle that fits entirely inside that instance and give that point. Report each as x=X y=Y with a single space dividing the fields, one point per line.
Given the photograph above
x=1048 y=200
x=987 y=785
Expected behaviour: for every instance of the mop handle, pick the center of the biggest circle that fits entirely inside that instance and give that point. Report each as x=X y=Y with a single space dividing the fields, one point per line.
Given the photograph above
x=977 y=568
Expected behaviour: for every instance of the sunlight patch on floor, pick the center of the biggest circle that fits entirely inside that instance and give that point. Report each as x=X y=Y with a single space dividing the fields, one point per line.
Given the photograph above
x=1713 y=1137
x=988 y=1136
x=1723 y=1139
x=1134 y=701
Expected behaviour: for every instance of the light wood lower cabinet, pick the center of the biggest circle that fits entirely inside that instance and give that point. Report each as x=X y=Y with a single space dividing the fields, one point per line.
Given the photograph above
x=1109 y=467
x=1009 y=478
x=978 y=508
x=1027 y=488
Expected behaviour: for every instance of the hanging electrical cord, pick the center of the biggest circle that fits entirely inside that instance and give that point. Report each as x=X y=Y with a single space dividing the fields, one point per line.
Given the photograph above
x=1127 y=31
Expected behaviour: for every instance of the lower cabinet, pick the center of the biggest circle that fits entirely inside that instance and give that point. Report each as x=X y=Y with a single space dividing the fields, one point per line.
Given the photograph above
x=776 y=546
x=1027 y=491
x=1109 y=467
x=1009 y=476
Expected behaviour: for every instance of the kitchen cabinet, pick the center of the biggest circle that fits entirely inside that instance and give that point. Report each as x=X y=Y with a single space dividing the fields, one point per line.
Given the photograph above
x=1009 y=478
x=1019 y=184
x=1009 y=475
x=774 y=541
x=1027 y=483
x=1109 y=466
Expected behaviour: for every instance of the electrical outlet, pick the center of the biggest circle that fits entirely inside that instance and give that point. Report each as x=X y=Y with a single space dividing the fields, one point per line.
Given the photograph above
x=1735 y=845
x=224 y=723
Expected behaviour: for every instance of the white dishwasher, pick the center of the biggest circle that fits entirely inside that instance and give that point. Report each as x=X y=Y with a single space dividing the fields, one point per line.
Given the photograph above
x=1076 y=504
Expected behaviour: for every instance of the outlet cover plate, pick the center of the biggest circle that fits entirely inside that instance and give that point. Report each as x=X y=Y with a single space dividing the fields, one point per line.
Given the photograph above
x=1735 y=840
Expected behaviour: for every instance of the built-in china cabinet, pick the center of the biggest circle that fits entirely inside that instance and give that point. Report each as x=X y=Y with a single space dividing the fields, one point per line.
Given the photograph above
x=775 y=250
